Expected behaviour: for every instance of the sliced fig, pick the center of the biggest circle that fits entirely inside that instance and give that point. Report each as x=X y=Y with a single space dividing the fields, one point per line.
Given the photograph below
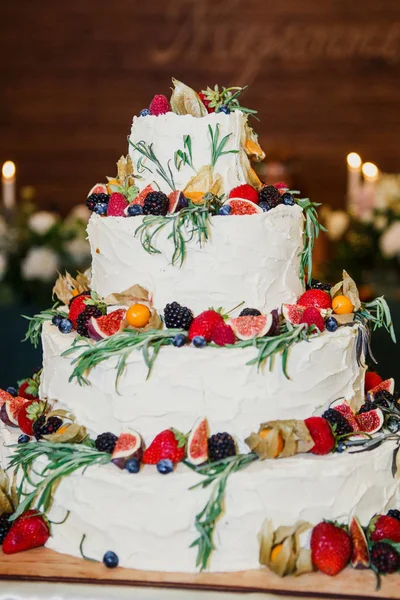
x=370 y=421
x=246 y=328
x=293 y=313
x=10 y=409
x=387 y=385
x=276 y=325
x=129 y=445
x=239 y=206
x=99 y=188
x=177 y=201
x=107 y=325
x=360 y=552
x=197 y=445
x=344 y=408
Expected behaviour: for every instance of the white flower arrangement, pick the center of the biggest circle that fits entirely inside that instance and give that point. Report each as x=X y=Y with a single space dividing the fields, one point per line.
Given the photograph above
x=42 y=221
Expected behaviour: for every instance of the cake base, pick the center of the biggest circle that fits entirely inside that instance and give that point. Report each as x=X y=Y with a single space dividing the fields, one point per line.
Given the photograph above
x=49 y=566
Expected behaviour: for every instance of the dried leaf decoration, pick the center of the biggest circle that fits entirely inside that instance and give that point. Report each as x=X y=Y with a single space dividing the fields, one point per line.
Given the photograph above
x=282 y=551
x=201 y=183
x=252 y=146
x=71 y=434
x=136 y=293
x=280 y=439
x=66 y=285
x=6 y=503
x=185 y=101
x=348 y=288
x=125 y=171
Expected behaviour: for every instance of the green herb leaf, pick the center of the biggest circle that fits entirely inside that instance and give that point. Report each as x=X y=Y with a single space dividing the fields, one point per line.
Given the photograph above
x=36 y=323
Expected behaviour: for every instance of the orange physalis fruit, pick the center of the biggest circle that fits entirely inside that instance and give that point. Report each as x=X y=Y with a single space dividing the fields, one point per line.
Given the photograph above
x=341 y=305
x=263 y=434
x=138 y=315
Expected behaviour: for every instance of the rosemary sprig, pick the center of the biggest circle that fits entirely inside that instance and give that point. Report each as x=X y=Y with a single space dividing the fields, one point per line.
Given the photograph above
x=61 y=460
x=311 y=232
x=146 y=150
x=184 y=157
x=217 y=147
x=377 y=312
x=227 y=96
x=36 y=323
x=118 y=346
x=216 y=473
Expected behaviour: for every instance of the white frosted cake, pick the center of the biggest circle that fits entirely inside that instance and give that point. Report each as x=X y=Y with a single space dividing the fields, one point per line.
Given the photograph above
x=200 y=352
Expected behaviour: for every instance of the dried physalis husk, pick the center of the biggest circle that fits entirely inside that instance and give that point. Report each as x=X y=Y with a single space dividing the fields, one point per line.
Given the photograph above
x=201 y=183
x=66 y=287
x=155 y=322
x=252 y=146
x=71 y=433
x=6 y=504
x=348 y=288
x=249 y=173
x=185 y=101
x=280 y=439
x=282 y=552
x=136 y=293
x=4 y=481
x=124 y=169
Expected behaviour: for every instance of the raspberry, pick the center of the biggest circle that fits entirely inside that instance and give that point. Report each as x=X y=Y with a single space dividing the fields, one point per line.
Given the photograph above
x=206 y=103
x=312 y=316
x=281 y=186
x=204 y=325
x=223 y=335
x=159 y=105
x=116 y=205
x=246 y=191
x=321 y=434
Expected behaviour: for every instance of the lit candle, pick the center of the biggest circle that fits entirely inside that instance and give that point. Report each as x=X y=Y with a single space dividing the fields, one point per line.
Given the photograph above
x=353 y=181
x=371 y=175
x=8 y=185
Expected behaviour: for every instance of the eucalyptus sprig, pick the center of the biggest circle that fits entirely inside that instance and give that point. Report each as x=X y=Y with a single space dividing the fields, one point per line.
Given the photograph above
x=118 y=346
x=377 y=313
x=311 y=232
x=217 y=146
x=61 y=460
x=36 y=323
x=146 y=150
x=184 y=157
x=216 y=473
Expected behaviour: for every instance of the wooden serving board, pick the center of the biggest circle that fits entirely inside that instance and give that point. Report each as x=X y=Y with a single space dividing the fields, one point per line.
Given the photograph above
x=49 y=566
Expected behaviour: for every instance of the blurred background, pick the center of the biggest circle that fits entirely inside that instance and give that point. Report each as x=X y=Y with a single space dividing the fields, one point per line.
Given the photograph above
x=324 y=77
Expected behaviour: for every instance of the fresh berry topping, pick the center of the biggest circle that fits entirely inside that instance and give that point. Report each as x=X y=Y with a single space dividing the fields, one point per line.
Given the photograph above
x=385 y=558
x=384 y=527
x=23 y=439
x=29 y=413
x=223 y=335
x=144 y=112
x=105 y=442
x=159 y=105
x=316 y=284
x=156 y=203
x=134 y=210
x=384 y=398
x=179 y=340
x=225 y=210
x=94 y=199
x=65 y=326
x=165 y=466
x=110 y=560
x=220 y=446
x=372 y=379
x=11 y=390
x=77 y=306
x=199 y=341
x=287 y=199
x=177 y=316
x=204 y=324
x=312 y=316
x=56 y=320
x=322 y=436
x=224 y=109
x=366 y=407
x=165 y=445
x=29 y=389
x=249 y=312
x=83 y=319
x=140 y=198
x=271 y=195
x=132 y=465
x=316 y=298
x=246 y=191
x=281 y=185
x=5 y=526
x=30 y=530
x=341 y=447
x=393 y=512
x=265 y=206
x=100 y=208
x=206 y=103
x=46 y=426
x=330 y=548
x=116 y=205
x=331 y=324
x=138 y=315
x=338 y=422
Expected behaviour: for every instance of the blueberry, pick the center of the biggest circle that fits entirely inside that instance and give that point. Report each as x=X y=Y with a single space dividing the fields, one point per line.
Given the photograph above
x=144 y=112
x=341 y=447
x=331 y=324
x=100 y=208
x=110 y=559
x=134 y=210
x=165 y=466
x=199 y=341
x=132 y=465
x=11 y=390
x=265 y=206
x=23 y=439
x=179 y=340
x=65 y=326
x=287 y=199
x=224 y=109
x=225 y=210
x=56 y=320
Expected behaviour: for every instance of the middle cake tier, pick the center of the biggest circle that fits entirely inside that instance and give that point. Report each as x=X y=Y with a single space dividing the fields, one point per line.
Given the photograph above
x=188 y=383
x=253 y=259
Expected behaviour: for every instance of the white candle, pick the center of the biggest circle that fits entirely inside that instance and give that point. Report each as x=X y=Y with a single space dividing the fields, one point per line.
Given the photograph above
x=353 y=181
x=371 y=175
x=8 y=185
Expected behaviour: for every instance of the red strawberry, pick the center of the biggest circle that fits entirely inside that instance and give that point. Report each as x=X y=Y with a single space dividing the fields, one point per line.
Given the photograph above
x=223 y=335
x=312 y=316
x=316 y=298
x=159 y=105
x=33 y=392
x=4 y=397
x=206 y=103
x=30 y=530
x=322 y=435
x=246 y=191
x=164 y=445
x=204 y=324
x=76 y=307
x=29 y=412
x=371 y=380
x=383 y=527
x=330 y=548
x=116 y=205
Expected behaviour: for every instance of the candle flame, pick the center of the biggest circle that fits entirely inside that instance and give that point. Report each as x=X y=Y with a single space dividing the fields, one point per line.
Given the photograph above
x=370 y=171
x=354 y=160
x=8 y=170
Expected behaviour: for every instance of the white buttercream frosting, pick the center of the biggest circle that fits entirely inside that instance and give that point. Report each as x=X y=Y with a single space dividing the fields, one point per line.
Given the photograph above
x=250 y=258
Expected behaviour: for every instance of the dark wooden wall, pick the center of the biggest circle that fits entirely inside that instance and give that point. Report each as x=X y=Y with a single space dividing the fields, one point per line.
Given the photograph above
x=324 y=75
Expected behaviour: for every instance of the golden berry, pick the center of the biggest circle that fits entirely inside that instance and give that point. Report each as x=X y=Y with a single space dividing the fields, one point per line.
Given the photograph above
x=138 y=315
x=263 y=434
x=275 y=551
x=341 y=305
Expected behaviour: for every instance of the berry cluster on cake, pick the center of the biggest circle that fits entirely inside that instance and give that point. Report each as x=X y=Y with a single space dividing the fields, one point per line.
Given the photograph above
x=200 y=347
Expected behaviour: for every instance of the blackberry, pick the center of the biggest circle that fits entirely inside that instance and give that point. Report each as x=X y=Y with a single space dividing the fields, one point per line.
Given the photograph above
x=385 y=558
x=177 y=316
x=315 y=284
x=43 y=426
x=105 y=442
x=221 y=445
x=367 y=406
x=393 y=512
x=337 y=421
x=249 y=312
x=94 y=199
x=84 y=318
x=5 y=526
x=156 y=203
x=271 y=195
x=384 y=398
